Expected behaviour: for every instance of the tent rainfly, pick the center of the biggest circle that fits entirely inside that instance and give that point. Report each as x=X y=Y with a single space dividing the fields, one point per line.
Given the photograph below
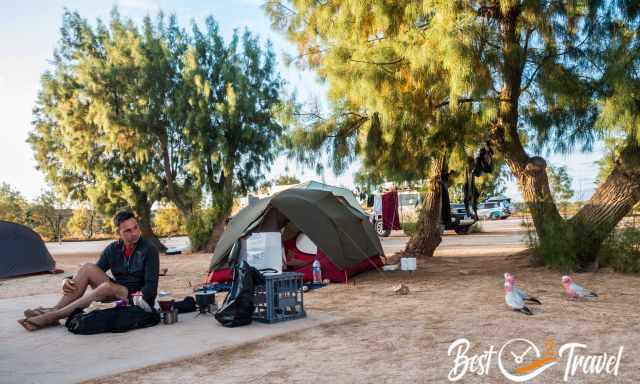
x=341 y=231
x=23 y=251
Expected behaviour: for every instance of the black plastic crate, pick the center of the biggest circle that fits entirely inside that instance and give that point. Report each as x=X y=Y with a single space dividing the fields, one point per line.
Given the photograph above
x=280 y=298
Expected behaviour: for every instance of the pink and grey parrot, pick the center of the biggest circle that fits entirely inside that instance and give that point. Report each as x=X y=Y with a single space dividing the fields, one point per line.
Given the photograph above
x=575 y=291
x=513 y=300
x=525 y=296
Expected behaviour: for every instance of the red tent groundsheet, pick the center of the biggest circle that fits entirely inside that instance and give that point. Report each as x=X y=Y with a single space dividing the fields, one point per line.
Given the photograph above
x=303 y=261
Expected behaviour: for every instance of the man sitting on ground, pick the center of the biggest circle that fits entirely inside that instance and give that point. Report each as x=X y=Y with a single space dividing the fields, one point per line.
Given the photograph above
x=134 y=263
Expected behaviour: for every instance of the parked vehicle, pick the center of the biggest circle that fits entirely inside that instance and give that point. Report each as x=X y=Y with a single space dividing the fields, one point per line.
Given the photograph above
x=503 y=201
x=461 y=221
x=493 y=211
x=408 y=205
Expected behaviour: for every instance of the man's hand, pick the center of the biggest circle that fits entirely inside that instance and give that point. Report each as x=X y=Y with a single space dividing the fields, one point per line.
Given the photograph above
x=68 y=286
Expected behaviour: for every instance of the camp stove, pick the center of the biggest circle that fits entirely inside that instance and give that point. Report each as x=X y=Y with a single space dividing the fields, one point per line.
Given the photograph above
x=206 y=302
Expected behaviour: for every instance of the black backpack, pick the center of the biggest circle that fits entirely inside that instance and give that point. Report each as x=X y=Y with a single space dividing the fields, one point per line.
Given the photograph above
x=119 y=319
x=237 y=308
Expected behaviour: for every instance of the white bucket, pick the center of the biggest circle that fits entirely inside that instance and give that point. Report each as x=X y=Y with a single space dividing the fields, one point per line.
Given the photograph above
x=408 y=263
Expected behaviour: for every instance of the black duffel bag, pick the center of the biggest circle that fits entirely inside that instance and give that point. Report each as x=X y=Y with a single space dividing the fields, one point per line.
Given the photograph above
x=237 y=308
x=119 y=319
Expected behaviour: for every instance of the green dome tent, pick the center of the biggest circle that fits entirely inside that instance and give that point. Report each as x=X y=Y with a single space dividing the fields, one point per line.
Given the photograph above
x=342 y=232
x=337 y=191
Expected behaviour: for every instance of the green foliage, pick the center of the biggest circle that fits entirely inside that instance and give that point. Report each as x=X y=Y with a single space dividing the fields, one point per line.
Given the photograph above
x=560 y=184
x=407 y=78
x=409 y=228
x=85 y=223
x=168 y=221
x=410 y=79
x=383 y=89
x=234 y=100
x=621 y=250
x=48 y=217
x=13 y=207
x=85 y=149
x=557 y=250
x=132 y=114
x=286 y=180
x=200 y=225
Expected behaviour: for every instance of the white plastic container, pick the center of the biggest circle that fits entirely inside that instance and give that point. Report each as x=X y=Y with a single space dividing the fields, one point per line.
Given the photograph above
x=408 y=263
x=263 y=250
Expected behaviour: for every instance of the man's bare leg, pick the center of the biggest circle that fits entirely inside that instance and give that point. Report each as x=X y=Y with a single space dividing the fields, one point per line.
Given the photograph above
x=88 y=275
x=106 y=290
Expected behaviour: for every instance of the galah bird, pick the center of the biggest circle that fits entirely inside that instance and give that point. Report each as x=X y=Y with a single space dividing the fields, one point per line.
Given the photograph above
x=525 y=296
x=575 y=291
x=514 y=301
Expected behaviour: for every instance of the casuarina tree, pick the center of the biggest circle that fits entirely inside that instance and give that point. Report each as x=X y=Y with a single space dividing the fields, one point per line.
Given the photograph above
x=389 y=105
x=540 y=75
x=137 y=114
x=83 y=154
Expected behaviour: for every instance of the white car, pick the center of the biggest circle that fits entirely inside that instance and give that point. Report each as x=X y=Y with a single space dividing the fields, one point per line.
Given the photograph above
x=493 y=211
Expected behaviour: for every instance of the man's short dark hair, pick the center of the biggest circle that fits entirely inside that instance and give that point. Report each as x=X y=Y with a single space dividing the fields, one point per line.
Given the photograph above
x=121 y=217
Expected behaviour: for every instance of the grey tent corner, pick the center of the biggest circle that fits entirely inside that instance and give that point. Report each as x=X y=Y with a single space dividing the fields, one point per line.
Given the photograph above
x=23 y=251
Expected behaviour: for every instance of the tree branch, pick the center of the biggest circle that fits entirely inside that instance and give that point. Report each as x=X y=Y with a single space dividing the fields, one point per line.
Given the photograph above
x=397 y=61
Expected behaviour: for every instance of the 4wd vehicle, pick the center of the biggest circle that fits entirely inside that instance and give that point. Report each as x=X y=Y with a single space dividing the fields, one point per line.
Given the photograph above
x=377 y=224
x=493 y=211
x=503 y=201
x=461 y=222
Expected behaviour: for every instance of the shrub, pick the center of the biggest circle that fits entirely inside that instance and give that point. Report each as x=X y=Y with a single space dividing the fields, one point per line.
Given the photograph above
x=169 y=221
x=409 y=228
x=553 y=250
x=621 y=250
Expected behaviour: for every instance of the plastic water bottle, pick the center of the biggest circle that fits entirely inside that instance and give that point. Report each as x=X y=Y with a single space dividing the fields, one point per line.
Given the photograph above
x=317 y=272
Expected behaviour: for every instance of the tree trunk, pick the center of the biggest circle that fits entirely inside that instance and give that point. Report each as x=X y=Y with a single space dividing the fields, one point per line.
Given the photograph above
x=611 y=202
x=144 y=215
x=224 y=202
x=216 y=233
x=566 y=244
x=530 y=171
x=429 y=230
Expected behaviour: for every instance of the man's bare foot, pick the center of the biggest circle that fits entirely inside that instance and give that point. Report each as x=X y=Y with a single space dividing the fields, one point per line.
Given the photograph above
x=31 y=324
x=36 y=311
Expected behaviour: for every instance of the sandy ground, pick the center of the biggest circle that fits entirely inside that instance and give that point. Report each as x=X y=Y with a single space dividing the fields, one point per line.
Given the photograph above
x=387 y=338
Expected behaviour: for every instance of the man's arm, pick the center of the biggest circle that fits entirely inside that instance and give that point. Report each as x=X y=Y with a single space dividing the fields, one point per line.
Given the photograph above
x=104 y=261
x=151 y=272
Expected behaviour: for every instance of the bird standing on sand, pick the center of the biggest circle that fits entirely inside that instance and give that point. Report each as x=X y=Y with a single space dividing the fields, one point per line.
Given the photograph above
x=513 y=300
x=525 y=296
x=575 y=291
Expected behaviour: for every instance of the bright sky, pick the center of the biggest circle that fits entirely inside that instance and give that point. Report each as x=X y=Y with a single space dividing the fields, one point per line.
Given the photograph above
x=29 y=31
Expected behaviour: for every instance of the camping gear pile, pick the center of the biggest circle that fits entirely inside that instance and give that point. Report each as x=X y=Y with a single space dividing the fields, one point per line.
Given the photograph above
x=269 y=250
